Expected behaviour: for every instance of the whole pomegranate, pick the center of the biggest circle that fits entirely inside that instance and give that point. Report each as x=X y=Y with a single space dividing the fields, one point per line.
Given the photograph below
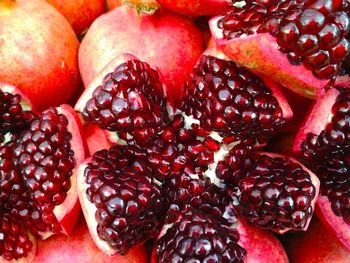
x=79 y=13
x=167 y=41
x=38 y=51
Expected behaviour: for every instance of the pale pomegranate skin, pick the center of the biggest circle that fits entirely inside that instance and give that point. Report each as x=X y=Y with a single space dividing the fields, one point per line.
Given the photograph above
x=79 y=13
x=48 y=77
x=169 y=42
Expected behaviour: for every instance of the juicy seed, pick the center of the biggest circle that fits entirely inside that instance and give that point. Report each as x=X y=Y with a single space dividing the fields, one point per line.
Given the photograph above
x=276 y=194
x=182 y=192
x=14 y=240
x=130 y=102
x=45 y=160
x=13 y=118
x=232 y=101
x=195 y=237
x=330 y=151
x=312 y=32
x=128 y=203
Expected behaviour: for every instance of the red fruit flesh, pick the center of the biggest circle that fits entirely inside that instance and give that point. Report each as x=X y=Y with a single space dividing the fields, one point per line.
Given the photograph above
x=79 y=247
x=51 y=76
x=316 y=246
x=81 y=13
x=230 y=100
x=180 y=45
x=196 y=7
x=95 y=138
x=255 y=35
x=120 y=202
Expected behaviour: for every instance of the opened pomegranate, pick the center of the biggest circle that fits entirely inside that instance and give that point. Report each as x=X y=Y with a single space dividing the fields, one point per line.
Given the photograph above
x=300 y=44
x=324 y=142
x=38 y=52
x=37 y=165
x=167 y=41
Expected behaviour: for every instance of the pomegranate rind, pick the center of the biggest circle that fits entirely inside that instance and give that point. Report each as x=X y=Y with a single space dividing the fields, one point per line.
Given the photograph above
x=196 y=7
x=314 y=179
x=335 y=224
x=67 y=213
x=260 y=54
x=317 y=119
x=218 y=52
x=89 y=211
x=95 y=138
x=261 y=246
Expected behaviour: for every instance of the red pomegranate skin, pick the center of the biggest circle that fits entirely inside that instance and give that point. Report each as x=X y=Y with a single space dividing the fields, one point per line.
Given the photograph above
x=164 y=40
x=316 y=245
x=113 y=3
x=79 y=13
x=196 y=7
x=79 y=247
x=38 y=51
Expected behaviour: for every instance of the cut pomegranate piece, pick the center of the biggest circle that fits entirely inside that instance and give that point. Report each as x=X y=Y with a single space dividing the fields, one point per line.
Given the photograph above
x=197 y=237
x=16 y=111
x=38 y=186
x=225 y=98
x=121 y=203
x=324 y=141
x=130 y=102
x=300 y=44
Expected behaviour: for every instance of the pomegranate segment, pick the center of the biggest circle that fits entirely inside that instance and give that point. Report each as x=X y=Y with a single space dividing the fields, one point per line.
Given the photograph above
x=130 y=102
x=38 y=186
x=195 y=237
x=325 y=143
x=300 y=44
x=126 y=201
x=233 y=102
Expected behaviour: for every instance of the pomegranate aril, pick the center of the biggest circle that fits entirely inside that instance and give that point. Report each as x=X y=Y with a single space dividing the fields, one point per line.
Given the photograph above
x=128 y=202
x=230 y=100
x=196 y=237
x=183 y=192
x=302 y=29
x=130 y=102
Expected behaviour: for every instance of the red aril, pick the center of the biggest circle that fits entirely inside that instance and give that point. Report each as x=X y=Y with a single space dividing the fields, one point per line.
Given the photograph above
x=169 y=42
x=37 y=174
x=323 y=142
x=300 y=44
x=81 y=13
x=39 y=52
x=196 y=7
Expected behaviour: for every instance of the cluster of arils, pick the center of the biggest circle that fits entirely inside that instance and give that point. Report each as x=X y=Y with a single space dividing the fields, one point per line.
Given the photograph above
x=178 y=174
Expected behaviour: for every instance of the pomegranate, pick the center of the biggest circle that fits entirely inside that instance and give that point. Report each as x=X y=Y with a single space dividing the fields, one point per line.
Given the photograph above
x=196 y=7
x=113 y=3
x=300 y=44
x=201 y=162
x=38 y=52
x=180 y=46
x=316 y=246
x=37 y=175
x=79 y=247
x=81 y=13
x=323 y=142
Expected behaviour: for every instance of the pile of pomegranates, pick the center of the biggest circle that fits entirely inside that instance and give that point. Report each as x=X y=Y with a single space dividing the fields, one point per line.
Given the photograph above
x=127 y=135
